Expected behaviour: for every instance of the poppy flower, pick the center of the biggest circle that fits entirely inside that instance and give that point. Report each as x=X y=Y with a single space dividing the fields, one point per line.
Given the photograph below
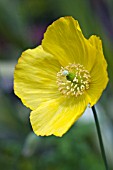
x=58 y=79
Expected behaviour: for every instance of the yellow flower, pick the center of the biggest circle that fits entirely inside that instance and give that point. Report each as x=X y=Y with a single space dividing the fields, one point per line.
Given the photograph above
x=59 y=78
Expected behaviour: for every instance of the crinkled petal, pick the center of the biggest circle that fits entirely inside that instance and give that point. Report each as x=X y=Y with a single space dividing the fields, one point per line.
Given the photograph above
x=99 y=80
x=35 y=77
x=57 y=116
x=65 y=41
x=96 y=42
x=99 y=76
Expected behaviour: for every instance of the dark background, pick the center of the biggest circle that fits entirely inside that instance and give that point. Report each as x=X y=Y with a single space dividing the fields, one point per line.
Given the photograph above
x=22 y=24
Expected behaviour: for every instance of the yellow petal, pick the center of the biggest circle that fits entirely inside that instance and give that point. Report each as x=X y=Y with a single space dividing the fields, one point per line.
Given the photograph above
x=64 y=40
x=57 y=116
x=35 y=77
x=99 y=80
x=96 y=42
x=99 y=76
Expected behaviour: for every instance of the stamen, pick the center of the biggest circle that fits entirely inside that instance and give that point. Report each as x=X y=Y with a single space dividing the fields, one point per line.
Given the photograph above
x=73 y=80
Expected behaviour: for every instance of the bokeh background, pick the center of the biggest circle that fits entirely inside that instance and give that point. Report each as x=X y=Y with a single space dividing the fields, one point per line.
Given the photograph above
x=22 y=24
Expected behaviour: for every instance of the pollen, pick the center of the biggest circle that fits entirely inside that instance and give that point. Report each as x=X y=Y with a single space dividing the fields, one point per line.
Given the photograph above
x=73 y=80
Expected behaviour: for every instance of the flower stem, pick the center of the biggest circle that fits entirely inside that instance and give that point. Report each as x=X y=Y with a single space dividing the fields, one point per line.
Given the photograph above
x=100 y=137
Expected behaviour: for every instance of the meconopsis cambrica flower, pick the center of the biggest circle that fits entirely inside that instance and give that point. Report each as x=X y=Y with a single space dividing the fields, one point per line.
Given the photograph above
x=60 y=78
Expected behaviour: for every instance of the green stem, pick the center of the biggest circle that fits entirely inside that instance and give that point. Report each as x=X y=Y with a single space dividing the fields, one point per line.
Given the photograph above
x=100 y=137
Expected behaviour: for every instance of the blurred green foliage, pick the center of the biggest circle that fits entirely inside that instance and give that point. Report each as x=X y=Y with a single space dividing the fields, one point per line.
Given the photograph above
x=22 y=24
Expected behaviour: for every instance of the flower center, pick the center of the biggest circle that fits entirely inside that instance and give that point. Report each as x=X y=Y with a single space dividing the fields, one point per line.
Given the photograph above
x=73 y=80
